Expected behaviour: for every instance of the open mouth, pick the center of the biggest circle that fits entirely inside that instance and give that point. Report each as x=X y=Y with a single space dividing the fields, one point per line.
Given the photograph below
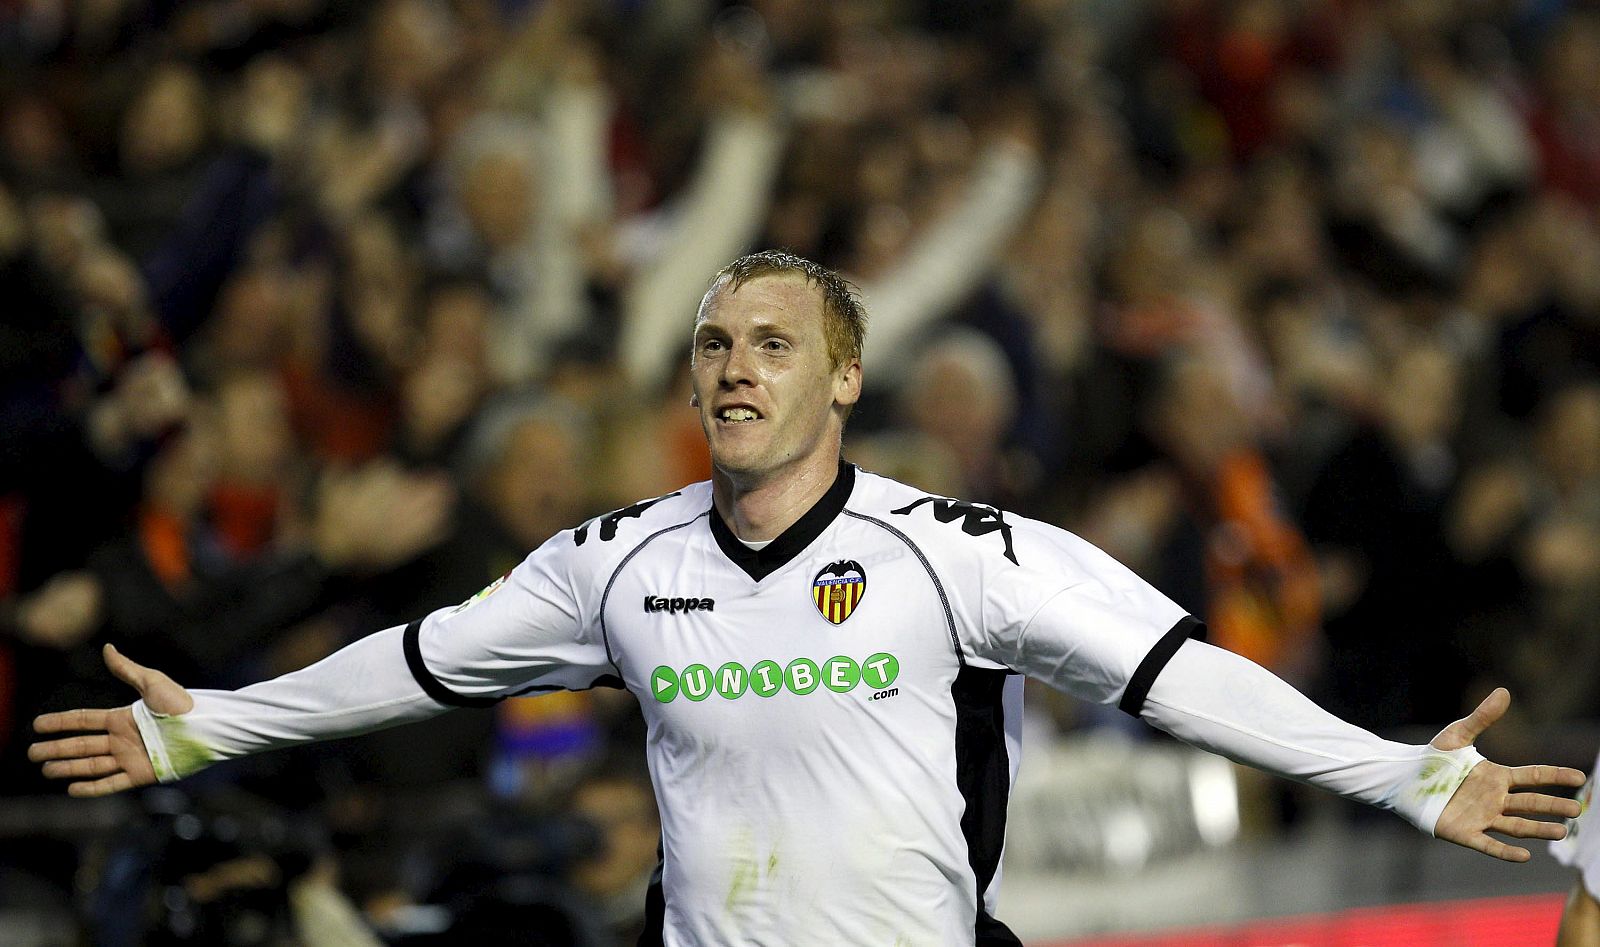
x=738 y=414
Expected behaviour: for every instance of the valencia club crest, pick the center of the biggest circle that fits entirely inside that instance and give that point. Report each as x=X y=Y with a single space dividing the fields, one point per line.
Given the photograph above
x=838 y=589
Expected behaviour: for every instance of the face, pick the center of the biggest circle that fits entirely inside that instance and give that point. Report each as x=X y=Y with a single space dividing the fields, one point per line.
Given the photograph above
x=770 y=397
x=537 y=485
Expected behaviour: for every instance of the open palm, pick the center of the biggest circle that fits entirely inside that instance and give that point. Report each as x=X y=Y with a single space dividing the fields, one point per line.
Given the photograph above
x=1485 y=802
x=108 y=754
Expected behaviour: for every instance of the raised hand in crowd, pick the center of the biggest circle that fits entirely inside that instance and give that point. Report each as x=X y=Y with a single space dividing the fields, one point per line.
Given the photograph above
x=379 y=516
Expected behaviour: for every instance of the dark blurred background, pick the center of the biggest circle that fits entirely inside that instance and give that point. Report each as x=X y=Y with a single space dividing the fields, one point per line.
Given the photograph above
x=316 y=315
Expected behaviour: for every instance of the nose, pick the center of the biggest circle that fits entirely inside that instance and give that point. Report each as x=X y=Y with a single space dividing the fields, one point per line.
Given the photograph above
x=737 y=367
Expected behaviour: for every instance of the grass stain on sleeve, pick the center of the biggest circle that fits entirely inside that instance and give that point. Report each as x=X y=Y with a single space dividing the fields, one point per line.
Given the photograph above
x=184 y=753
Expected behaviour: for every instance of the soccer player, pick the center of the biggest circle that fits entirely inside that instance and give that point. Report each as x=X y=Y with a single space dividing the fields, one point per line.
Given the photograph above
x=1580 y=919
x=828 y=662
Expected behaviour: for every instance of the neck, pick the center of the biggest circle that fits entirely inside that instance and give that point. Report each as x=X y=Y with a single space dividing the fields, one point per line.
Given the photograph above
x=761 y=509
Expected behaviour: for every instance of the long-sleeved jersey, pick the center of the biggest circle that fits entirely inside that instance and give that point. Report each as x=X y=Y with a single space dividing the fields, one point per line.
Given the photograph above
x=833 y=719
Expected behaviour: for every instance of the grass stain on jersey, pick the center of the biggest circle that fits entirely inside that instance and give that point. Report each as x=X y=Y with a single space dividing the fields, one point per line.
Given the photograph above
x=745 y=875
x=1437 y=778
x=185 y=754
x=744 y=882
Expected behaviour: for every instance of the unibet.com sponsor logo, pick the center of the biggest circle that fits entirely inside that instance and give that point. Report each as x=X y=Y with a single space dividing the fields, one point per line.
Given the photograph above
x=839 y=674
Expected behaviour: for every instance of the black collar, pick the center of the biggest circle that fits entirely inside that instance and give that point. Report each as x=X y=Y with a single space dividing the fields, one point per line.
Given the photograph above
x=760 y=563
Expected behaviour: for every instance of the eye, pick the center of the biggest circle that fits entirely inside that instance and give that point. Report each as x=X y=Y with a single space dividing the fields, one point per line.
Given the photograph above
x=775 y=345
x=711 y=345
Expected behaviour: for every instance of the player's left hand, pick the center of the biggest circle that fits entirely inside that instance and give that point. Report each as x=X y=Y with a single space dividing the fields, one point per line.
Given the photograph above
x=1485 y=802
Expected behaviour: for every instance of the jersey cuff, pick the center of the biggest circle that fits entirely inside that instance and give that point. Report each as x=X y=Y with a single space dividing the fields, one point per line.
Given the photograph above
x=430 y=685
x=1132 y=702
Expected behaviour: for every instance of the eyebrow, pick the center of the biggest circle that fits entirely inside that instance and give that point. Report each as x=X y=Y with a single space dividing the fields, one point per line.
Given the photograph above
x=758 y=326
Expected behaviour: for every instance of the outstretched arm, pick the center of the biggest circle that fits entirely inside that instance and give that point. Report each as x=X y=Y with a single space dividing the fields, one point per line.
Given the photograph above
x=1224 y=703
x=171 y=732
x=1106 y=635
x=526 y=631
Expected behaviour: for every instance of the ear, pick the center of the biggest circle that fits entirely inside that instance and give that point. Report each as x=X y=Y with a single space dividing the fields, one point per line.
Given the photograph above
x=847 y=383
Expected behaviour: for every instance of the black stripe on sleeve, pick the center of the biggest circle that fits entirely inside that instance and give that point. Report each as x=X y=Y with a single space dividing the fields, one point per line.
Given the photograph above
x=1145 y=674
x=430 y=684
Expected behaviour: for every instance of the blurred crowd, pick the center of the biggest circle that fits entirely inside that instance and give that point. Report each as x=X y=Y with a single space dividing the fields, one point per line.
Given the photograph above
x=320 y=314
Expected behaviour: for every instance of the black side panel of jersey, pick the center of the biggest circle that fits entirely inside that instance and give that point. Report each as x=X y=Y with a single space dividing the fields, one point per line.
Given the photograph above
x=655 y=911
x=983 y=773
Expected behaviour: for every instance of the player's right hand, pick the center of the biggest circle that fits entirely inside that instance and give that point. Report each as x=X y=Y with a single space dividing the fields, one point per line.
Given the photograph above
x=108 y=755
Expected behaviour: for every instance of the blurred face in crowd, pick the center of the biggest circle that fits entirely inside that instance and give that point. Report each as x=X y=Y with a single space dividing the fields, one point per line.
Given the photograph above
x=1568 y=437
x=251 y=319
x=536 y=486
x=181 y=476
x=166 y=124
x=413 y=44
x=770 y=396
x=455 y=323
x=1422 y=397
x=497 y=196
x=1197 y=416
x=256 y=442
x=965 y=397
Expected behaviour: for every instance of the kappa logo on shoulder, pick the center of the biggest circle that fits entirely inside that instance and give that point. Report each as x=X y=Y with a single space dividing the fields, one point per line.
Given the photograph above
x=609 y=522
x=976 y=518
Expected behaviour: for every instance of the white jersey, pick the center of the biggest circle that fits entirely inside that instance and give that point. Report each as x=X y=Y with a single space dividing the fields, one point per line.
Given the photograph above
x=832 y=719
x=1581 y=848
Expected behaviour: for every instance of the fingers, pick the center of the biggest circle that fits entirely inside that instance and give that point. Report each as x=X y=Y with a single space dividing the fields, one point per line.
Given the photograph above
x=71 y=748
x=117 y=782
x=80 y=768
x=1545 y=775
x=1533 y=803
x=1498 y=849
x=1528 y=828
x=70 y=720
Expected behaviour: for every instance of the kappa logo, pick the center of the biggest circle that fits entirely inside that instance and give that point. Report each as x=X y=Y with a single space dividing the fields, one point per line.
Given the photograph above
x=976 y=519
x=608 y=523
x=672 y=606
x=838 y=589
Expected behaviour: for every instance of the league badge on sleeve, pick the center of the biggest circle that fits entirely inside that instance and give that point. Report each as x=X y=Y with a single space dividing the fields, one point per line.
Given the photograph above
x=487 y=591
x=838 y=589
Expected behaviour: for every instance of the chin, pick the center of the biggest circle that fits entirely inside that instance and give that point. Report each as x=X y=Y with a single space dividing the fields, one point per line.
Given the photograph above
x=741 y=464
x=737 y=464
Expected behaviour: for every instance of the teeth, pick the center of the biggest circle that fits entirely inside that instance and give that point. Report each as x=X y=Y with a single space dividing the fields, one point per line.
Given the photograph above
x=738 y=414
